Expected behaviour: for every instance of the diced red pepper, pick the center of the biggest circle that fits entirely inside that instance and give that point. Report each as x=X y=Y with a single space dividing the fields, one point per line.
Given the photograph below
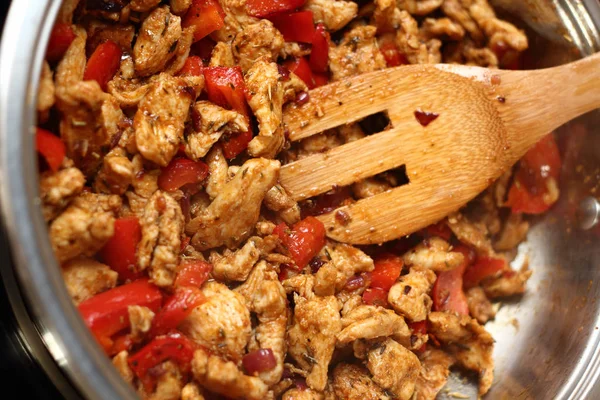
x=295 y=26
x=233 y=145
x=103 y=63
x=174 y=346
x=419 y=327
x=120 y=343
x=206 y=16
x=260 y=360
x=304 y=240
x=119 y=253
x=51 y=148
x=107 y=313
x=440 y=230
x=286 y=271
x=387 y=270
x=193 y=66
x=181 y=171
x=192 y=273
x=203 y=48
x=301 y=67
x=392 y=55
x=265 y=8
x=176 y=309
x=319 y=55
x=529 y=191
x=483 y=268
x=326 y=202
x=60 y=39
x=375 y=297
x=448 y=292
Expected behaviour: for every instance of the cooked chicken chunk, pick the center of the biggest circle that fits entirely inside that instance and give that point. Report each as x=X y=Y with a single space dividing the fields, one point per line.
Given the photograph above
x=217 y=171
x=334 y=14
x=278 y=200
x=507 y=284
x=311 y=338
x=121 y=34
x=499 y=32
x=242 y=196
x=116 y=173
x=236 y=266
x=468 y=342
x=222 y=55
x=156 y=42
x=346 y=261
x=58 y=189
x=302 y=394
x=258 y=41
x=86 y=277
x=140 y=319
x=222 y=323
x=357 y=53
x=455 y=10
x=469 y=233
x=410 y=43
x=513 y=232
x=434 y=374
x=45 y=92
x=370 y=322
x=160 y=118
x=479 y=305
x=435 y=254
x=192 y=391
x=419 y=7
x=121 y=364
x=441 y=27
x=85 y=226
x=352 y=382
x=225 y=378
x=266 y=101
x=236 y=19
x=394 y=368
x=169 y=383
x=162 y=226
x=409 y=296
x=210 y=122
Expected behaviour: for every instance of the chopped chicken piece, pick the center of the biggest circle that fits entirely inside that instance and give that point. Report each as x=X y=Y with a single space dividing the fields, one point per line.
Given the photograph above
x=58 y=189
x=394 y=368
x=369 y=187
x=434 y=374
x=479 y=305
x=411 y=44
x=386 y=16
x=352 y=382
x=419 y=7
x=441 y=27
x=346 y=261
x=169 y=383
x=100 y=31
x=213 y=122
x=143 y=5
x=236 y=20
x=266 y=101
x=122 y=365
x=258 y=41
x=409 y=296
x=236 y=265
x=460 y=14
x=222 y=323
x=217 y=171
x=140 y=319
x=499 y=32
x=357 y=53
x=278 y=200
x=302 y=394
x=312 y=336
x=370 y=322
x=435 y=254
x=468 y=342
x=159 y=120
x=225 y=378
x=191 y=391
x=242 y=196
x=162 y=226
x=181 y=53
x=266 y=297
x=85 y=226
x=469 y=233
x=116 y=173
x=480 y=57
x=222 y=55
x=127 y=89
x=179 y=7
x=65 y=13
x=302 y=284
x=45 y=99
x=156 y=42
x=334 y=14
x=85 y=277
x=507 y=284
x=514 y=232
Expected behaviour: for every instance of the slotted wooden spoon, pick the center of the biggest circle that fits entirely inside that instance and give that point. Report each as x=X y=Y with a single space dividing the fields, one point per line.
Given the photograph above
x=487 y=120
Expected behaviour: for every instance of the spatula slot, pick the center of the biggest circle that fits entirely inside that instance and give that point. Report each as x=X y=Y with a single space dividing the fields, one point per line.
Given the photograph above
x=375 y=123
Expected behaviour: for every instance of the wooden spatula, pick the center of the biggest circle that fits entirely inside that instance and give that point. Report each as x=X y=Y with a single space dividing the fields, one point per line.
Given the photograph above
x=486 y=120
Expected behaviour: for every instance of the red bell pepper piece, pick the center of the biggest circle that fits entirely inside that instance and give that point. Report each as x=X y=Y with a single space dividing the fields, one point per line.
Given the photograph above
x=260 y=360
x=119 y=252
x=483 y=268
x=176 y=309
x=304 y=240
x=174 y=346
x=203 y=48
x=387 y=270
x=295 y=26
x=301 y=67
x=121 y=343
x=392 y=55
x=375 y=297
x=192 y=273
x=419 y=327
x=51 y=148
x=226 y=88
x=181 y=171
x=193 y=66
x=265 y=8
x=319 y=55
x=107 y=313
x=60 y=39
x=206 y=16
x=447 y=293
x=529 y=191
x=103 y=63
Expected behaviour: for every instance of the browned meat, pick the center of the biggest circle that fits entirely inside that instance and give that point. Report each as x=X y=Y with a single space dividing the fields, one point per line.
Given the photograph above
x=435 y=254
x=58 y=189
x=479 y=305
x=345 y=262
x=86 y=277
x=352 y=382
x=334 y=14
x=434 y=374
x=409 y=297
x=357 y=53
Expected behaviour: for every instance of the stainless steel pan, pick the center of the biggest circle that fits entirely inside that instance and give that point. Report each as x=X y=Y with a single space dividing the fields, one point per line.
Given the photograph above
x=548 y=342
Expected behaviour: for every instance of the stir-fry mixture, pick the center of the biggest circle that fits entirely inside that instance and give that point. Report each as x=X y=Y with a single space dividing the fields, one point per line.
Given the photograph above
x=160 y=140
